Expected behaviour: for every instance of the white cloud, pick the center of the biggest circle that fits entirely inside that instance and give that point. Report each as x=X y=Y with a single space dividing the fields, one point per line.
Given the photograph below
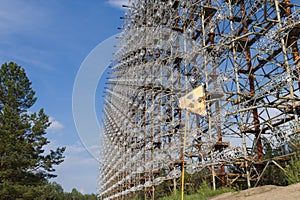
x=79 y=170
x=75 y=148
x=55 y=125
x=78 y=147
x=117 y=3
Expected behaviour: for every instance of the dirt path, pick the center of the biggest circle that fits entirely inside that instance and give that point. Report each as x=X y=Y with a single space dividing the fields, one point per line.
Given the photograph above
x=267 y=192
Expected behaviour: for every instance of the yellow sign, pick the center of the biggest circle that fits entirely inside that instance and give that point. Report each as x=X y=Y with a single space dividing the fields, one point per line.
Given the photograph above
x=194 y=101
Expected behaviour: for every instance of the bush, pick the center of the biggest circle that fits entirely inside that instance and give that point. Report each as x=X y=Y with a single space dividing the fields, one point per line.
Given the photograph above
x=293 y=170
x=203 y=193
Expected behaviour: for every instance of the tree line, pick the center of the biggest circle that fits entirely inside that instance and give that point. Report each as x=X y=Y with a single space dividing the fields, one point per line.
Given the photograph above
x=54 y=191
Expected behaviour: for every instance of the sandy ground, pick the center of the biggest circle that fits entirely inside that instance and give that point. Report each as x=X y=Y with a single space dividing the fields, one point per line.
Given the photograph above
x=291 y=192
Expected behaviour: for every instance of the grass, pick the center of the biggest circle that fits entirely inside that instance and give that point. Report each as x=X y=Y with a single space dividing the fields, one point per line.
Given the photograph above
x=202 y=194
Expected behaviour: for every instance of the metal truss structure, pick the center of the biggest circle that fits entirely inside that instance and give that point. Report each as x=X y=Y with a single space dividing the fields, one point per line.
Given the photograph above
x=242 y=54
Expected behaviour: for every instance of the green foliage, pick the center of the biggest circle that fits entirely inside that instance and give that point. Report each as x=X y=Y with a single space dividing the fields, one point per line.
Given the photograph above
x=293 y=170
x=24 y=166
x=163 y=189
x=75 y=195
x=15 y=88
x=195 y=181
x=52 y=191
x=47 y=191
x=274 y=176
x=203 y=193
x=44 y=191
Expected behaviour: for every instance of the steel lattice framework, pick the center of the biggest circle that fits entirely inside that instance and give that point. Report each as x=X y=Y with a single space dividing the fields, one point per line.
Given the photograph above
x=245 y=56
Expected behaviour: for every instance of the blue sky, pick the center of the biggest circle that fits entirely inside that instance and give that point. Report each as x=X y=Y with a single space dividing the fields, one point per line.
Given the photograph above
x=50 y=39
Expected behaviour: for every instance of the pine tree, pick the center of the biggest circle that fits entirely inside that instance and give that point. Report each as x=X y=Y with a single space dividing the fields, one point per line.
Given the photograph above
x=24 y=166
